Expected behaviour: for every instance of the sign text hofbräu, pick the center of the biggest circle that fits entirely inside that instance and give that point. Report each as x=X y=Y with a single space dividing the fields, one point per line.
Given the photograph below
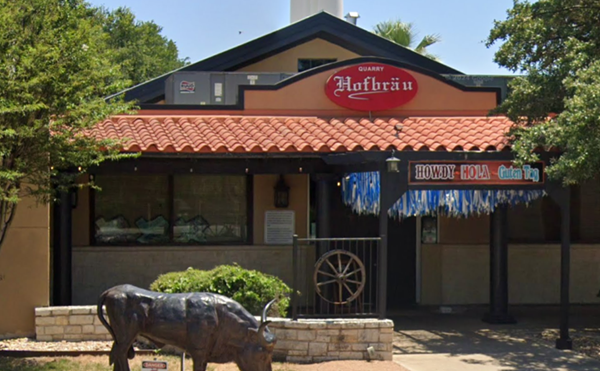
x=371 y=87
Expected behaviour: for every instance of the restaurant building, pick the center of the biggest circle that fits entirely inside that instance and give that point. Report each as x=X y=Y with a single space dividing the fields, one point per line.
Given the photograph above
x=312 y=110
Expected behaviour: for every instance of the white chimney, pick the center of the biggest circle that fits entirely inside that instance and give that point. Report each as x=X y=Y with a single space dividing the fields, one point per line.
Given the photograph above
x=304 y=8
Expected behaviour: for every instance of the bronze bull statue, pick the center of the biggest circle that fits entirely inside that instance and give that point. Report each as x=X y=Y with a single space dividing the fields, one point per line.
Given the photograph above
x=209 y=327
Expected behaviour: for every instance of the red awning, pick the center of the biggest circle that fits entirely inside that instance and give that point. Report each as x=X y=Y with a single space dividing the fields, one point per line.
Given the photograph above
x=250 y=134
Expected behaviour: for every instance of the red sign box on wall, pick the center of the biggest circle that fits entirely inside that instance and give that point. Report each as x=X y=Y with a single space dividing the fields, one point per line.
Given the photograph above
x=475 y=172
x=371 y=87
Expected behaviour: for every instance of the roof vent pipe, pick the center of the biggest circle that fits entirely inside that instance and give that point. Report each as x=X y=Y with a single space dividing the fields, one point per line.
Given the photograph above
x=300 y=9
x=352 y=17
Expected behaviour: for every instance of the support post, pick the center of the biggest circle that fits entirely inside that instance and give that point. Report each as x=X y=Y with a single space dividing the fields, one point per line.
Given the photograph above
x=62 y=269
x=323 y=210
x=382 y=259
x=391 y=187
x=498 y=313
x=562 y=196
x=295 y=258
x=564 y=341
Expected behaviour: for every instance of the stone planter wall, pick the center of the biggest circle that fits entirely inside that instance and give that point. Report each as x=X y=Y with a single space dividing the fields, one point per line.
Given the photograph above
x=318 y=340
x=306 y=340
x=69 y=323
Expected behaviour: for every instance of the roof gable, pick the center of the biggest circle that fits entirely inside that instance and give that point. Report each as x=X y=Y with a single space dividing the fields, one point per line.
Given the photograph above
x=322 y=25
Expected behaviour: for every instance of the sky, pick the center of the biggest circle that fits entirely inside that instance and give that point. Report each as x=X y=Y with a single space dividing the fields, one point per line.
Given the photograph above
x=202 y=28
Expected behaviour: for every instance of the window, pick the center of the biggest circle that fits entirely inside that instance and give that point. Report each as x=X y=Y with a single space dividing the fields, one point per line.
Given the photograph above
x=161 y=209
x=210 y=209
x=307 y=64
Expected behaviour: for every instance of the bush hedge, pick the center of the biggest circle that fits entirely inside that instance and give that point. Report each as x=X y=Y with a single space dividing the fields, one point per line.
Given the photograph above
x=250 y=288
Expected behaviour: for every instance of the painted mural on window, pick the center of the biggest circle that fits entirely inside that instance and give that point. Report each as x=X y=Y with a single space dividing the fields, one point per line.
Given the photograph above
x=203 y=209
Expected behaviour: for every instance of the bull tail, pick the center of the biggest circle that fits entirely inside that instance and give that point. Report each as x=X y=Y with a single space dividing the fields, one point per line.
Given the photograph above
x=130 y=351
x=100 y=315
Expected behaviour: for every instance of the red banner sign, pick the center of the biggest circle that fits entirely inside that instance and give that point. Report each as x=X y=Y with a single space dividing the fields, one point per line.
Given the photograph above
x=475 y=172
x=371 y=87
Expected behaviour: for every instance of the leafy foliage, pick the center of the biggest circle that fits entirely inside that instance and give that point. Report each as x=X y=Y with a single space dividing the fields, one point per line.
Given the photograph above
x=140 y=50
x=252 y=289
x=404 y=34
x=55 y=68
x=556 y=44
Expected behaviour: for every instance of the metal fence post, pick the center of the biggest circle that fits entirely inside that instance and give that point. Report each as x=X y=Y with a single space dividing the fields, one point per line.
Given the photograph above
x=295 y=278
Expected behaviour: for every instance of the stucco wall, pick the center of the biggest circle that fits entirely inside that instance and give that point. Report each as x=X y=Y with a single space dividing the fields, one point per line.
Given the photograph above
x=471 y=230
x=24 y=269
x=525 y=224
x=264 y=201
x=97 y=268
x=459 y=274
x=287 y=61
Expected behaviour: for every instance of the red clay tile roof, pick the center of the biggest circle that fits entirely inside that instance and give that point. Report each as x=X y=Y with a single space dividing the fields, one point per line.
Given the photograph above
x=245 y=134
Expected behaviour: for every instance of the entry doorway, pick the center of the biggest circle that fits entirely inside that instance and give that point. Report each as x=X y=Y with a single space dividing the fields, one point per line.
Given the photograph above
x=402 y=264
x=402 y=247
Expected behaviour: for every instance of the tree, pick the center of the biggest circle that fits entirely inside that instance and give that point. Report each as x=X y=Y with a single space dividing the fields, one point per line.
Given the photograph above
x=140 y=49
x=556 y=104
x=55 y=68
x=404 y=34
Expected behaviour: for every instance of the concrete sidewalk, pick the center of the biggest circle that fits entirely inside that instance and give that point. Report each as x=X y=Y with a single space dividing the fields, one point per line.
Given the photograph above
x=425 y=341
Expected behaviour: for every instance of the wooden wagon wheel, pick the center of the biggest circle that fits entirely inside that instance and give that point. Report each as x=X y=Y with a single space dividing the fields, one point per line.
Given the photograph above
x=340 y=273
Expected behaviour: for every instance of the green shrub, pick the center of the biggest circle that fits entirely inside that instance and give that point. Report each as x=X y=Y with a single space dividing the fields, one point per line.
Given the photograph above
x=250 y=288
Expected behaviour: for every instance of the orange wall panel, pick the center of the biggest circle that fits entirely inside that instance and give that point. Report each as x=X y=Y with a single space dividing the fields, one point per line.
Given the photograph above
x=434 y=97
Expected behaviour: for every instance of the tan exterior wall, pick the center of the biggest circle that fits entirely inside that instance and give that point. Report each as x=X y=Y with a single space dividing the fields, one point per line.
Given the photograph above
x=24 y=269
x=308 y=97
x=473 y=230
x=459 y=274
x=287 y=61
x=97 y=268
x=264 y=201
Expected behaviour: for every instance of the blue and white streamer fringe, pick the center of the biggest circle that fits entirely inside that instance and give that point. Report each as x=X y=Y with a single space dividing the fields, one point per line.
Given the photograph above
x=361 y=192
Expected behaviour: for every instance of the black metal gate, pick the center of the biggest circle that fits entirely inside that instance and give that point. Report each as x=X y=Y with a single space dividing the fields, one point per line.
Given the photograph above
x=335 y=277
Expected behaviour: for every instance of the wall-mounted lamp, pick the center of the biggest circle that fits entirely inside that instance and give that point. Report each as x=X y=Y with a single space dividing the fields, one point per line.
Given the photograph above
x=282 y=193
x=393 y=164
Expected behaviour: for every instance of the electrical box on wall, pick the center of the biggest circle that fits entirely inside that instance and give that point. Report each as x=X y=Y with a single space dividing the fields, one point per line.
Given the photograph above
x=214 y=88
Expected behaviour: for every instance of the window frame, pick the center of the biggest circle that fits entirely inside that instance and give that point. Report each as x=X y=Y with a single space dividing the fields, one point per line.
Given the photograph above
x=249 y=240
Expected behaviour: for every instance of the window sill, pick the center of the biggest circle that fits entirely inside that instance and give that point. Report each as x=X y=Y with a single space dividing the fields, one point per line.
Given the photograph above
x=178 y=248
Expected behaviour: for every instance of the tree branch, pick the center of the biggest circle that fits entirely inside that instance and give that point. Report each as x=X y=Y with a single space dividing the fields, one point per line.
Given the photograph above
x=7 y=212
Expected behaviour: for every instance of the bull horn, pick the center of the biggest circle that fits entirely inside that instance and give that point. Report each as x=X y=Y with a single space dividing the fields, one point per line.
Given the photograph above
x=266 y=342
x=266 y=310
